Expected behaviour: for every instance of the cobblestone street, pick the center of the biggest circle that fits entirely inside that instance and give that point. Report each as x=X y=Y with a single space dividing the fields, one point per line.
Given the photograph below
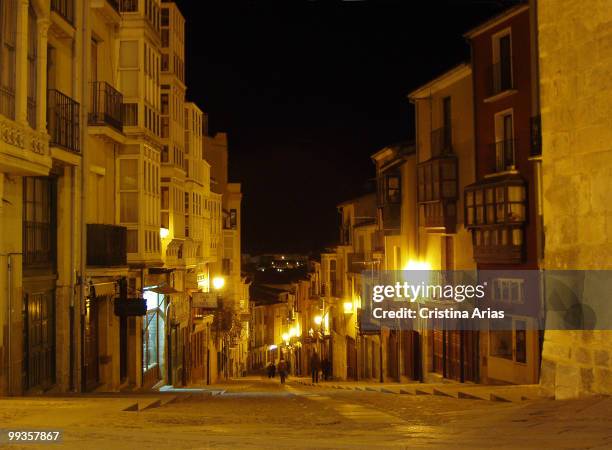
x=255 y=413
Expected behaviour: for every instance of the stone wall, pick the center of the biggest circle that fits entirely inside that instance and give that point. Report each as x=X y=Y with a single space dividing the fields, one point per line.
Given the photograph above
x=575 y=51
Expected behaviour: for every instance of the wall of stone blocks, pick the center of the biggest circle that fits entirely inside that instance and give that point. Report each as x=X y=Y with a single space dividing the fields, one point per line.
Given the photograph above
x=575 y=53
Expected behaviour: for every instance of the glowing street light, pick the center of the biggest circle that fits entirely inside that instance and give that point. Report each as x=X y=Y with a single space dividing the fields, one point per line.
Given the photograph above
x=417 y=265
x=164 y=232
x=285 y=337
x=318 y=320
x=218 y=283
x=348 y=307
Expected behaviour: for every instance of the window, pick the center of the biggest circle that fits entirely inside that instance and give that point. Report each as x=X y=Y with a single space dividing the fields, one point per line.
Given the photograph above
x=332 y=278
x=129 y=67
x=508 y=291
x=165 y=17
x=128 y=188
x=130 y=114
x=164 y=62
x=437 y=180
x=495 y=204
x=393 y=192
x=165 y=37
x=164 y=104
x=500 y=338
x=39 y=239
x=32 y=55
x=504 y=146
x=495 y=214
x=132 y=241
x=446 y=123
x=233 y=218
x=508 y=339
x=502 y=62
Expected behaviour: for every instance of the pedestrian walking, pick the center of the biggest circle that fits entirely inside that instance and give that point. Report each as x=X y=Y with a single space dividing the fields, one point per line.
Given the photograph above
x=315 y=366
x=282 y=370
x=271 y=370
x=326 y=366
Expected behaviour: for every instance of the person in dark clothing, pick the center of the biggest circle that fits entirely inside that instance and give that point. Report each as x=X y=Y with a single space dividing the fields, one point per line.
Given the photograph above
x=271 y=370
x=315 y=366
x=282 y=370
x=326 y=366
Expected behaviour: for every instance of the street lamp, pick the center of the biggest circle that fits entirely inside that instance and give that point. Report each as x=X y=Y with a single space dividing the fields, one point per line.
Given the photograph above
x=318 y=320
x=218 y=283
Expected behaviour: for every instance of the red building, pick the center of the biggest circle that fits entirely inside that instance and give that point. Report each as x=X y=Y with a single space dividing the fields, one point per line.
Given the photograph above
x=501 y=207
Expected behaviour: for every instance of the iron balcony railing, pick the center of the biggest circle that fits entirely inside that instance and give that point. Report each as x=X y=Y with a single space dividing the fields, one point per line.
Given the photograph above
x=441 y=142
x=63 y=121
x=128 y=5
x=504 y=154
x=64 y=8
x=500 y=76
x=536 y=136
x=106 y=245
x=114 y=4
x=106 y=105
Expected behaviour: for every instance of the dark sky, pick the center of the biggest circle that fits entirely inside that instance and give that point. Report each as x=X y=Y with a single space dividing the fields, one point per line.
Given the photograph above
x=308 y=90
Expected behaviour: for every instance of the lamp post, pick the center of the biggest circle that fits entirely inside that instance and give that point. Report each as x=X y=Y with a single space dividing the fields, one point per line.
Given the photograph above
x=218 y=283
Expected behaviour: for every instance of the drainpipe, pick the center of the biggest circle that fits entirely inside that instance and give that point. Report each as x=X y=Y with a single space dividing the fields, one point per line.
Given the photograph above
x=73 y=174
x=9 y=310
x=85 y=38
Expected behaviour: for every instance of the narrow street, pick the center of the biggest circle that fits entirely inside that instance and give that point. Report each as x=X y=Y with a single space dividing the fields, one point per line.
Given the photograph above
x=261 y=413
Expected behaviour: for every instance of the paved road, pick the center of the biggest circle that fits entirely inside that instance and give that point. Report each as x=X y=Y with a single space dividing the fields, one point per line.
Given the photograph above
x=256 y=413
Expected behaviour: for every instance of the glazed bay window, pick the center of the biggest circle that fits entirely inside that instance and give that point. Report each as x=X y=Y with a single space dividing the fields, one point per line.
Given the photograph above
x=437 y=193
x=392 y=189
x=128 y=199
x=496 y=214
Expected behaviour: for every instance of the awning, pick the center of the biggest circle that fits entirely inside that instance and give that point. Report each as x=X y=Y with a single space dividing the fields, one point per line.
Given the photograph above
x=166 y=290
x=104 y=289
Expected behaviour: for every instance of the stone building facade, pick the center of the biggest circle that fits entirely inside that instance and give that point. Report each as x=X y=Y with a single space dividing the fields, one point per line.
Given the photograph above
x=575 y=51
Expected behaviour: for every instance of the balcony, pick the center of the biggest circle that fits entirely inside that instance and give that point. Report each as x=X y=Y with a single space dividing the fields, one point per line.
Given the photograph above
x=114 y=4
x=63 y=121
x=505 y=155
x=536 y=136
x=495 y=213
x=128 y=5
x=437 y=193
x=106 y=106
x=64 y=8
x=109 y=9
x=441 y=142
x=378 y=241
x=106 y=245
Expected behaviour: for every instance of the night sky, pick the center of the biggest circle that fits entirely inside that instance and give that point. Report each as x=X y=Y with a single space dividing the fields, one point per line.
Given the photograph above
x=308 y=90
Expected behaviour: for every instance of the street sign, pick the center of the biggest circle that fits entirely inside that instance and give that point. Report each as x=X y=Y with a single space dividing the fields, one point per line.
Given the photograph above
x=207 y=300
x=131 y=307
